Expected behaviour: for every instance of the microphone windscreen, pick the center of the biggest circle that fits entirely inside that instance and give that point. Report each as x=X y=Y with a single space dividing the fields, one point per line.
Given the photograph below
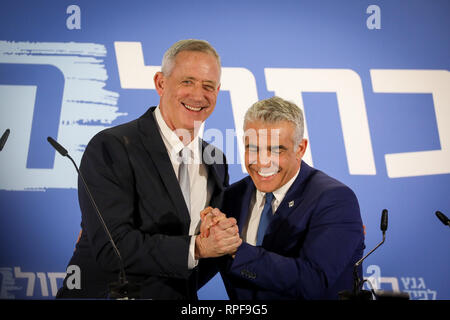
x=4 y=138
x=384 y=220
x=443 y=218
x=57 y=146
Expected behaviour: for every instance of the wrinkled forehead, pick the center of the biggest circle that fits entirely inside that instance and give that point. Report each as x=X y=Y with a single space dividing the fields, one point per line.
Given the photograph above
x=262 y=136
x=195 y=59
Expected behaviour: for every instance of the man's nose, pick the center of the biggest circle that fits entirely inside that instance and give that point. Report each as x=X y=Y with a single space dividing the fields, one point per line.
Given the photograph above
x=264 y=159
x=197 y=93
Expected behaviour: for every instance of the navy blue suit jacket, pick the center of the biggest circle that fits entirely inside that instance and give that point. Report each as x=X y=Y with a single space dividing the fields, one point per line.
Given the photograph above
x=310 y=247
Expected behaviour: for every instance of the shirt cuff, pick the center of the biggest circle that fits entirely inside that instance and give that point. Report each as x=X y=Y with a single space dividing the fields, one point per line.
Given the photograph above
x=192 y=262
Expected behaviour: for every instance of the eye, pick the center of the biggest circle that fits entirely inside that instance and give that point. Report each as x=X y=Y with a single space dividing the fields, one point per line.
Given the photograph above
x=275 y=150
x=209 y=88
x=187 y=82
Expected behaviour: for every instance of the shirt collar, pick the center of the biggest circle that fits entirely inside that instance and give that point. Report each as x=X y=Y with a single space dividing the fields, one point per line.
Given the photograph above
x=174 y=144
x=279 y=194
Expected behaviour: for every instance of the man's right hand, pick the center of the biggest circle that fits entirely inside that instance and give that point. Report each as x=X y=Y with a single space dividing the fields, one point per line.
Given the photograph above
x=220 y=236
x=209 y=217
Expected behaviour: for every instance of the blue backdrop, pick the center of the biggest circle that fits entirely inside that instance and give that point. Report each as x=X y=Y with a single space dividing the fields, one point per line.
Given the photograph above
x=371 y=76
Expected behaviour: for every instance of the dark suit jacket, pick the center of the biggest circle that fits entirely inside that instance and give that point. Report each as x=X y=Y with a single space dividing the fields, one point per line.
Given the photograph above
x=130 y=175
x=310 y=247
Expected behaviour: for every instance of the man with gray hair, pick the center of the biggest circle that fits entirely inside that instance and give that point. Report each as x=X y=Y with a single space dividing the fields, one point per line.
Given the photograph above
x=302 y=229
x=150 y=190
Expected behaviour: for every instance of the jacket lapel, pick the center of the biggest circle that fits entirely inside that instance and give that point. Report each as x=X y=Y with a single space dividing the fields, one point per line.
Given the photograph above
x=244 y=205
x=210 y=163
x=292 y=199
x=156 y=149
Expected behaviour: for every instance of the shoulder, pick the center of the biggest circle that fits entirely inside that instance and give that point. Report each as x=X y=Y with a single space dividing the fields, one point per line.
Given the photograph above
x=329 y=200
x=235 y=195
x=112 y=144
x=322 y=186
x=238 y=188
x=124 y=133
x=118 y=132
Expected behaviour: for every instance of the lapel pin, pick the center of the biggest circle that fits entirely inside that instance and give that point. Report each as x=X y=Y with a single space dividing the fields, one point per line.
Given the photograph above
x=291 y=203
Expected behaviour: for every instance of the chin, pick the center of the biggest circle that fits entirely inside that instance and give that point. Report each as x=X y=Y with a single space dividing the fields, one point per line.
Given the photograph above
x=265 y=190
x=263 y=184
x=265 y=187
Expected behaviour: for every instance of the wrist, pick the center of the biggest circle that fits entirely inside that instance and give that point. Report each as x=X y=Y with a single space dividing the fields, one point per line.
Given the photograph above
x=198 y=248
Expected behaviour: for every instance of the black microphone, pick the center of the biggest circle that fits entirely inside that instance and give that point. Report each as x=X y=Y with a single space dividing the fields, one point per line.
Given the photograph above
x=122 y=289
x=62 y=151
x=444 y=219
x=383 y=228
x=357 y=293
x=384 y=221
x=4 y=138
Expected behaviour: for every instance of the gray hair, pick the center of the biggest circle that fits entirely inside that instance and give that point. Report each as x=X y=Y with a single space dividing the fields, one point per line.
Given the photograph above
x=186 y=45
x=274 y=110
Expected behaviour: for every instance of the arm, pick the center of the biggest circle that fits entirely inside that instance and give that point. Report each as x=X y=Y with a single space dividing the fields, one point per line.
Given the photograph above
x=110 y=177
x=333 y=236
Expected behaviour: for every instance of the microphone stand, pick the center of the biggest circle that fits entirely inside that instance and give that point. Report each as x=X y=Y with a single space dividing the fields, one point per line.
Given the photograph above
x=357 y=293
x=122 y=289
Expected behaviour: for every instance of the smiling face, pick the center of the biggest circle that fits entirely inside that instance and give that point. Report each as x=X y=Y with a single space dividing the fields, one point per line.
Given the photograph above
x=189 y=93
x=271 y=157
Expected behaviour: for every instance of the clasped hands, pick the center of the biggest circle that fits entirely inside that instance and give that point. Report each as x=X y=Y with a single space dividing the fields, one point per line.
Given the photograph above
x=218 y=236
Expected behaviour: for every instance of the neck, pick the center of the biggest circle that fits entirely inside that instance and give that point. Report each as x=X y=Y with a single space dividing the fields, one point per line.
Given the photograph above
x=184 y=134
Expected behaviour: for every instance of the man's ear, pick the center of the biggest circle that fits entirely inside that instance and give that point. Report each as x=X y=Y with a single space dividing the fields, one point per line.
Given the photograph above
x=301 y=149
x=159 y=81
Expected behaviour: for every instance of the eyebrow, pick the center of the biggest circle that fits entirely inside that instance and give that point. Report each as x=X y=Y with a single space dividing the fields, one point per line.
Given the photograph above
x=281 y=147
x=213 y=83
x=278 y=147
x=204 y=81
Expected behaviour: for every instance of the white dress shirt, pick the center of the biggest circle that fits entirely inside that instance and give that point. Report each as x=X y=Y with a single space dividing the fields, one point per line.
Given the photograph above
x=256 y=206
x=198 y=176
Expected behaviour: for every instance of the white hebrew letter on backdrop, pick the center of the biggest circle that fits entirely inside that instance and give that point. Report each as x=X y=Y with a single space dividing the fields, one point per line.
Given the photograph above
x=436 y=82
x=133 y=73
x=53 y=276
x=18 y=117
x=27 y=275
x=43 y=281
x=86 y=108
x=290 y=83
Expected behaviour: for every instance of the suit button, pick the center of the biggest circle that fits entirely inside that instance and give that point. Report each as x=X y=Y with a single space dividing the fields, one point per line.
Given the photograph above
x=245 y=273
x=248 y=274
